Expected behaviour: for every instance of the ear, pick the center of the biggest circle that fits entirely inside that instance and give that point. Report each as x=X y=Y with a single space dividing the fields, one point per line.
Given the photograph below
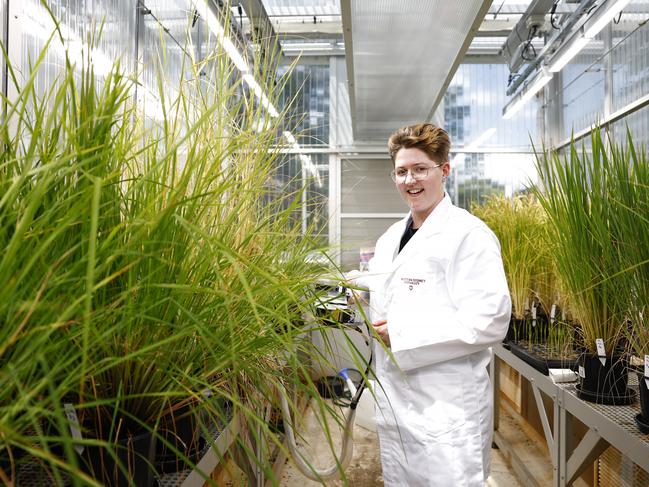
x=446 y=168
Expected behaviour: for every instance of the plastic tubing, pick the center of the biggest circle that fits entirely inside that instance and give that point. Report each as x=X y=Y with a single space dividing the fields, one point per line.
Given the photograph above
x=307 y=470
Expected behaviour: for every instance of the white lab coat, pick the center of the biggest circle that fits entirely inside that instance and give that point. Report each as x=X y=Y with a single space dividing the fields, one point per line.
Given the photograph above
x=446 y=301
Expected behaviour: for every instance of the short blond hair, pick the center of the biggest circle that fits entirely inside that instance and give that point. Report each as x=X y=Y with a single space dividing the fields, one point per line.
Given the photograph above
x=427 y=137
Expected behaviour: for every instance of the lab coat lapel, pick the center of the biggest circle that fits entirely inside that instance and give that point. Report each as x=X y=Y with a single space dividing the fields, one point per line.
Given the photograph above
x=434 y=224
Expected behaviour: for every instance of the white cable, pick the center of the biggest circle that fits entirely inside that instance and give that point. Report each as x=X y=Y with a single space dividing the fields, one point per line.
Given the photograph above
x=310 y=472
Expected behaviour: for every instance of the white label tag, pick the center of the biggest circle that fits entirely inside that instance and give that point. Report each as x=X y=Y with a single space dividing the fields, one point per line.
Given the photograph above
x=553 y=311
x=582 y=372
x=533 y=312
x=646 y=370
x=601 y=351
x=73 y=419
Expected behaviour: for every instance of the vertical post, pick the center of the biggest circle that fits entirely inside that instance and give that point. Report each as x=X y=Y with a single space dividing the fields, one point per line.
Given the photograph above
x=4 y=29
x=13 y=34
x=305 y=215
x=564 y=432
x=558 y=439
x=138 y=56
x=607 y=34
x=334 y=206
x=494 y=372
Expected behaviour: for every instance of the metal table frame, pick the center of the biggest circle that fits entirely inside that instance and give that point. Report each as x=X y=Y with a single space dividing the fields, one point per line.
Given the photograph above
x=607 y=425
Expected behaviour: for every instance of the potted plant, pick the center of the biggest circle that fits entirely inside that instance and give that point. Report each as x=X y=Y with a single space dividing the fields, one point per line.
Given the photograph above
x=630 y=200
x=575 y=191
x=518 y=223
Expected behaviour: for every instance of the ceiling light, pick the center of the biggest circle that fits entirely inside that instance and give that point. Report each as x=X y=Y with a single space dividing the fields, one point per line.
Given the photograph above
x=602 y=16
x=541 y=79
x=231 y=50
x=567 y=51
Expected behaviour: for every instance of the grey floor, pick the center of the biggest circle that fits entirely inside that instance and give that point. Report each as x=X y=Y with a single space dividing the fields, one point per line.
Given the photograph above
x=365 y=467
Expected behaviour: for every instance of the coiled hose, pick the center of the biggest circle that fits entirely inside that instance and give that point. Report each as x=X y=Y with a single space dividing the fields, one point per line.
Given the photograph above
x=347 y=450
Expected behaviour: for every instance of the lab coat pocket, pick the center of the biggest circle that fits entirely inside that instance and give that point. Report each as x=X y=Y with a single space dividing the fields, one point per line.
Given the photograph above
x=440 y=401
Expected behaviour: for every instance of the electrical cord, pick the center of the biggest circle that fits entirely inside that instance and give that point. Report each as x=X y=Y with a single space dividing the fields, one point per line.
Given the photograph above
x=528 y=45
x=553 y=11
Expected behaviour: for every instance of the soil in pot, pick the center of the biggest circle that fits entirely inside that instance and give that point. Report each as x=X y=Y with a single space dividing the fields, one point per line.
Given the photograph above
x=542 y=357
x=527 y=329
x=181 y=430
x=135 y=453
x=604 y=384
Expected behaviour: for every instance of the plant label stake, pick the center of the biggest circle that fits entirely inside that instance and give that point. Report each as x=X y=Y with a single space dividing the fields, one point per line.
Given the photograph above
x=534 y=315
x=553 y=313
x=582 y=372
x=646 y=370
x=601 y=351
x=73 y=419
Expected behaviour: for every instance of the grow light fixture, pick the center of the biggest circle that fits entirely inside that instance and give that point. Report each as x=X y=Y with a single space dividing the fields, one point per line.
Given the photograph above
x=580 y=38
x=568 y=51
x=541 y=79
x=602 y=16
x=233 y=53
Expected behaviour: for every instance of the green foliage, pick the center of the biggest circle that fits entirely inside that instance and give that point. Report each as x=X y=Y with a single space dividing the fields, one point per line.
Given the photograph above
x=521 y=227
x=629 y=198
x=576 y=191
x=142 y=263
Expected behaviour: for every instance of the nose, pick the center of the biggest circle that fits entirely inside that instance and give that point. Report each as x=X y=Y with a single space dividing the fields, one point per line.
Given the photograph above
x=409 y=175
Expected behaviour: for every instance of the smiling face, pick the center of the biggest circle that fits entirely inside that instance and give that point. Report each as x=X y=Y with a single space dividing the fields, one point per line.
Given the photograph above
x=422 y=196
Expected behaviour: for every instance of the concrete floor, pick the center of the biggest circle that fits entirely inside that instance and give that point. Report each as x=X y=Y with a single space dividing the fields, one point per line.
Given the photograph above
x=365 y=467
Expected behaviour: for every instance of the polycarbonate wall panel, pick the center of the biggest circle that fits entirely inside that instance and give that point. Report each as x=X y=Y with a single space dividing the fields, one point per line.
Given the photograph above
x=473 y=106
x=106 y=27
x=637 y=123
x=630 y=58
x=306 y=95
x=317 y=197
x=366 y=187
x=583 y=89
x=477 y=175
x=583 y=79
x=3 y=39
x=293 y=179
x=164 y=54
x=360 y=233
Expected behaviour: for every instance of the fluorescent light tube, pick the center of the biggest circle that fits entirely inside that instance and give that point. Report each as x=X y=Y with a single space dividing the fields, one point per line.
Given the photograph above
x=602 y=16
x=218 y=30
x=568 y=51
x=541 y=79
x=234 y=54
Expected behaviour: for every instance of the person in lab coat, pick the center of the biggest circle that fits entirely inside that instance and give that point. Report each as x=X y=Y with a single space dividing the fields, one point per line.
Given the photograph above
x=438 y=300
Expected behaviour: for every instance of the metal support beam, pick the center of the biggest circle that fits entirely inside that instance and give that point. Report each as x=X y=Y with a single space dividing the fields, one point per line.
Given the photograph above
x=589 y=449
x=544 y=420
x=214 y=455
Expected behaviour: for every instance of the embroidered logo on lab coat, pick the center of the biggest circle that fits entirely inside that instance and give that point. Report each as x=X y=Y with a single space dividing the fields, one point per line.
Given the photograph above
x=411 y=283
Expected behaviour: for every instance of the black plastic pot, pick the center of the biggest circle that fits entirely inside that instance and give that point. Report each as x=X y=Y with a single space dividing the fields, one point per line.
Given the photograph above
x=135 y=453
x=605 y=384
x=642 y=419
x=181 y=429
x=539 y=363
x=520 y=328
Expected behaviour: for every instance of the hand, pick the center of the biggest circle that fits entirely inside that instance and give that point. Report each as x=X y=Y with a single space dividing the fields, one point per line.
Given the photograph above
x=381 y=327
